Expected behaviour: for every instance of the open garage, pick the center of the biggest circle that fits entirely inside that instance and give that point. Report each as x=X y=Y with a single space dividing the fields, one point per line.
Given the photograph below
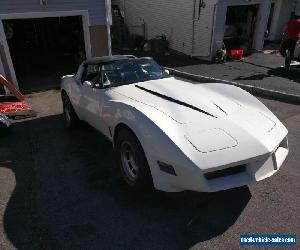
x=44 y=49
x=42 y=40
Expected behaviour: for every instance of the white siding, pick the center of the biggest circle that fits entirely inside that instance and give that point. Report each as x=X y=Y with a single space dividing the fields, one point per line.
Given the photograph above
x=173 y=18
x=96 y=8
x=287 y=8
x=204 y=28
x=241 y=2
x=220 y=21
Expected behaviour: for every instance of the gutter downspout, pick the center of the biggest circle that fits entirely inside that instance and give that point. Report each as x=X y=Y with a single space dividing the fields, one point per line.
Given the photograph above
x=124 y=10
x=193 y=34
x=213 y=31
x=108 y=24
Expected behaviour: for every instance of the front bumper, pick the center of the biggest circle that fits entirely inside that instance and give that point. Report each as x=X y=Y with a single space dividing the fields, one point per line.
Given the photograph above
x=254 y=171
x=228 y=176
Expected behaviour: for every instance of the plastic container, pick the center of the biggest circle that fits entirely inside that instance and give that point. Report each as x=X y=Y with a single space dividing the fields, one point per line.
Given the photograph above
x=236 y=54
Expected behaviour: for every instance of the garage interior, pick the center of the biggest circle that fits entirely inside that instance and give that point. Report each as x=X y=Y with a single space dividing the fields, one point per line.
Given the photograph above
x=240 y=27
x=44 y=49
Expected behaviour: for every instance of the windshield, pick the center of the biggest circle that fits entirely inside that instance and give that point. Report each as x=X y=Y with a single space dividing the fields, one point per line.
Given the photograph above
x=131 y=71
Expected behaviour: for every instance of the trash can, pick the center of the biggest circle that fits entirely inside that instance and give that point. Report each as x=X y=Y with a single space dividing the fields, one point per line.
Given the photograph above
x=159 y=45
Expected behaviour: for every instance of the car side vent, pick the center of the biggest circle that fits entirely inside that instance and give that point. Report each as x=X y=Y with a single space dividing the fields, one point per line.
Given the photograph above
x=225 y=172
x=174 y=100
x=166 y=168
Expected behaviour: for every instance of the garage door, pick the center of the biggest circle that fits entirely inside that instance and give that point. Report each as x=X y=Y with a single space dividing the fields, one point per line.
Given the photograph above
x=44 y=49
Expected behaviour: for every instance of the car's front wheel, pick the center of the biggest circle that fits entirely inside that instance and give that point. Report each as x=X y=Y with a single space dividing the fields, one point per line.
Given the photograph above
x=71 y=118
x=132 y=161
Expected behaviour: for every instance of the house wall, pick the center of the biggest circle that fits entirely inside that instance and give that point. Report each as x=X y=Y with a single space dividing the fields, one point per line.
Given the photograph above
x=297 y=9
x=205 y=28
x=219 y=28
x=173 y=18
x=273 y=35
x=200 y=37
x=241 y=2
x=96 y=8
x=285 y=9
x=99 y=40
x=186 y=31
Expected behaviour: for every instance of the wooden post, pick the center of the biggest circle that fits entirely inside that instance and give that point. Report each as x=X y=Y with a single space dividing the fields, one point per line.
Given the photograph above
x=12 y=89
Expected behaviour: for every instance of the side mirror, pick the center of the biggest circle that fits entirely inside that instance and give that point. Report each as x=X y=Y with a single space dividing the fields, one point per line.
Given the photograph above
x=167 y=72
x=88 y=84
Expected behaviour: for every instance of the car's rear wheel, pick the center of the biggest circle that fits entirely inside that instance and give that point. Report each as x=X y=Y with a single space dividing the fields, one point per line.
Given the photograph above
x=132 y=161
x=288 y=60
x=71 y=118
x=4 y=129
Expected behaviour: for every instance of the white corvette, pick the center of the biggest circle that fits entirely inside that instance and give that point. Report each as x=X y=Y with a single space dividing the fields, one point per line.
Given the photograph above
x=174 y=134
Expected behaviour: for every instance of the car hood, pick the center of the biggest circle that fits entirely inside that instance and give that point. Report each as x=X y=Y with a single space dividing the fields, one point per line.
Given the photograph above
x=205 y=110
x=186 y=102
x=176 y=98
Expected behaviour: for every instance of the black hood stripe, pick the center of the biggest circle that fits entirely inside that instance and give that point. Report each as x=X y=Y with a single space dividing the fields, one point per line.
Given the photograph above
x=174 y=100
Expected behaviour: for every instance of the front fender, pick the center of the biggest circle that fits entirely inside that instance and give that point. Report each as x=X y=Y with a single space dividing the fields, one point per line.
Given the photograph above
x=240 y=96
x=154 y=131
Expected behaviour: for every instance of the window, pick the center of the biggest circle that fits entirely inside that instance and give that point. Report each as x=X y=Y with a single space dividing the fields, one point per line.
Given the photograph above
x=91 y=73
x=131 y=71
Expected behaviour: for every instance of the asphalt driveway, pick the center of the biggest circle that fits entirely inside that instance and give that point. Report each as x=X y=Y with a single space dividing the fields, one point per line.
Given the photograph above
x=60 y=189
x=258 y=70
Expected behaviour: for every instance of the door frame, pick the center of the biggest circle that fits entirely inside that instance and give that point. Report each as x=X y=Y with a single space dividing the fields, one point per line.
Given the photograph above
x=30 y=15
x=260 y=23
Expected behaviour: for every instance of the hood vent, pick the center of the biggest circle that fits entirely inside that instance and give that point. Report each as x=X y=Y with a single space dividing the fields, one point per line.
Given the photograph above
x=174 y=100
x=221 y=109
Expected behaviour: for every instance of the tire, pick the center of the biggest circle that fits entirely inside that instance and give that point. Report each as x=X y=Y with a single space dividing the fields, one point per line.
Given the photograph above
x=288 y=60
x=4 y=130
x=132 y=161
x=71 y=118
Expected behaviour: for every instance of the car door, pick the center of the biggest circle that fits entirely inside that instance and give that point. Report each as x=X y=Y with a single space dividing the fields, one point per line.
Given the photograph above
x=75 y=91
x=93 y=98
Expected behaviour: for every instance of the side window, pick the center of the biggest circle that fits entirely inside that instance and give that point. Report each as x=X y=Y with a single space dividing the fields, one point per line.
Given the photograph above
x=91 y=73
x=105 y=72
x=111 y=75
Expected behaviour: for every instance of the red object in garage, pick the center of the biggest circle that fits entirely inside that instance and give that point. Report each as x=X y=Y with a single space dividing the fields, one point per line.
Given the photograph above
x=8 y=107
x=237 y=54
x=14 y=105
